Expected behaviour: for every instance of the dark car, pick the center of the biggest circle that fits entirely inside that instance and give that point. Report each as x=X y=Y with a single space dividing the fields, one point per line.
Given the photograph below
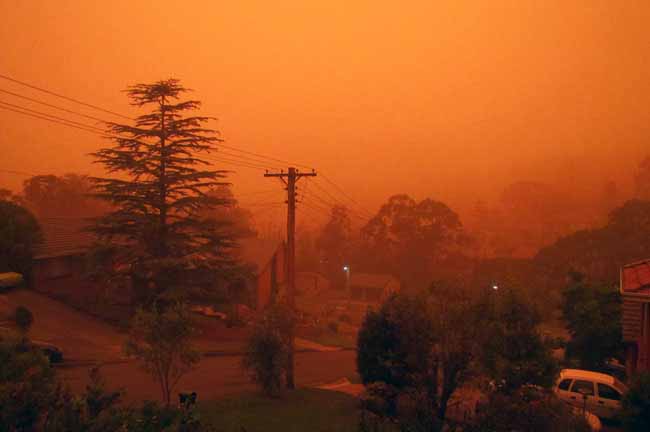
x=52 y=352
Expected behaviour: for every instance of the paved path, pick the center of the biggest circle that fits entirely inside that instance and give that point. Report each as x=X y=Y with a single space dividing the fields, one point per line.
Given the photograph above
x=80 y=336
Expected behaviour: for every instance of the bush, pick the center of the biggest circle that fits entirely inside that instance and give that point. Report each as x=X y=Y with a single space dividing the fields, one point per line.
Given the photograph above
x=266 y=359
x=636 y=405
x=19 y=236
x=23 y=318
x=527 y=410
x=28 y=387
x=394 y=343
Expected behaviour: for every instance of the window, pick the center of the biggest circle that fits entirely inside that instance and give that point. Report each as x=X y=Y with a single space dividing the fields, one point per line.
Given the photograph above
x=583 y=387
x=607 y=392
x=564 y=385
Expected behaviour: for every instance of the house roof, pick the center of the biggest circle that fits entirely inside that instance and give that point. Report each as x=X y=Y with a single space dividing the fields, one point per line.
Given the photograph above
x=63 y=237
x=372 y=280
x=635 y=278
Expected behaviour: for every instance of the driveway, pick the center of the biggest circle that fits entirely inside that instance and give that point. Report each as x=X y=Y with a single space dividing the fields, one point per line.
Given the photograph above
x=82 y=338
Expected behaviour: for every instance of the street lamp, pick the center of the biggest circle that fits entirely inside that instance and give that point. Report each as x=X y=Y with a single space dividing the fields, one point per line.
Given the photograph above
x=346 y=269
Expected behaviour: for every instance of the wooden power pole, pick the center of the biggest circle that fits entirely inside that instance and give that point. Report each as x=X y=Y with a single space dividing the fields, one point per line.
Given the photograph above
x=290 y=178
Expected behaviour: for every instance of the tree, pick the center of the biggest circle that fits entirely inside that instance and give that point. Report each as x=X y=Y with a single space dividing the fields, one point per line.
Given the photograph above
x=159 y=238
x=513 y=352
x=593 y=316
x=415 y=352
x=61 y=196
x=28 y=386
x=161 y=341
x=266 y=358
x=20 y=234
x=334 y=240
x=23 y=318
x=239 y=220
x=598 y=253
x=407 y=238
x=636 y=405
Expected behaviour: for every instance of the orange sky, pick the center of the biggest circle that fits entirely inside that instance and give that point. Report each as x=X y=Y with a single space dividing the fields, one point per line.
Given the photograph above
x=449 y=99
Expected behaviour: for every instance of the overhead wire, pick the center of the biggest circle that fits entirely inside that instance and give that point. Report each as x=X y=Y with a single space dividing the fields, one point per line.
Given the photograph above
x=52 y=106
x=257 y=156
x=242 y=158
x=52 y=116
x=42 y=117
x=23 y=83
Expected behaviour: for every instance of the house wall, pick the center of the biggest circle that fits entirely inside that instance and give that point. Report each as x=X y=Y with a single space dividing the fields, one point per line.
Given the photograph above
x=56 y=270
x=636 y=334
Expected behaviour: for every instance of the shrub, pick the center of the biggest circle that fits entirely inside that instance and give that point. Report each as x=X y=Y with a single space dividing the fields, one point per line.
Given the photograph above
x=23 y=318
x=528 y=410
x=28 y=386
x=266 y=359
x=636 y=405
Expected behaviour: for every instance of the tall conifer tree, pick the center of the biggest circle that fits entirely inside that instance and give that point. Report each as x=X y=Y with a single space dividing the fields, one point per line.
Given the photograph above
x=156 y=232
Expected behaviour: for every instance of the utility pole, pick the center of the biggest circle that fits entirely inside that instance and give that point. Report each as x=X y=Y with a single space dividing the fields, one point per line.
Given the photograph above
x=290 y=178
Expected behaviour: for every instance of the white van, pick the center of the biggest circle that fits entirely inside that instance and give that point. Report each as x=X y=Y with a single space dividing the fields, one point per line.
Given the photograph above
x=603 y=392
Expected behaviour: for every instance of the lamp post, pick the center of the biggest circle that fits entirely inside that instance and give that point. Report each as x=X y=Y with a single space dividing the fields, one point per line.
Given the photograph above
x=346 y=270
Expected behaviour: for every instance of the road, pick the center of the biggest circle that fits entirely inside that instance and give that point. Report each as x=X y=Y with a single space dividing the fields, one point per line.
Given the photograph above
x=215 y=377
x=86 y=341
x=80 y=336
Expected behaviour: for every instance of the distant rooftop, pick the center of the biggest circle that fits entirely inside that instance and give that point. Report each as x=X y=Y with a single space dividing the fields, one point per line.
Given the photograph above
x=635 y=278
x=372 y=280
x=63 y=237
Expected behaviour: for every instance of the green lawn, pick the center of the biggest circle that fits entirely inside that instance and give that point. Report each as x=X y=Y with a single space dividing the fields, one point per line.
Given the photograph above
x=301 y=410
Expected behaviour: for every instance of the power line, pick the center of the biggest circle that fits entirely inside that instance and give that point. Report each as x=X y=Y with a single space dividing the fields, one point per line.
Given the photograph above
x=342 y=191
x=52 y=106
x=51 y=120
x=236 y=162
x=284 y=162
x=63 y=97
x=233 y=148
x=257 y=161
x=256 y=192
x=52 y=116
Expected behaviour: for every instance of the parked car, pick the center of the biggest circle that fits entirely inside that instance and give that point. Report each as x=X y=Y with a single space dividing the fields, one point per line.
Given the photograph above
x=52 y=352
x=596 y=392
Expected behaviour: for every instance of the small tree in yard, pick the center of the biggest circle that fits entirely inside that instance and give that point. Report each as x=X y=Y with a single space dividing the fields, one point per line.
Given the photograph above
x=161 y=341
x=266 y=359
x=636 y=405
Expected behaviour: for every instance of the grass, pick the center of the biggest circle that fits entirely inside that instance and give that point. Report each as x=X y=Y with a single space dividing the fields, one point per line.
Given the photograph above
x=299 y=410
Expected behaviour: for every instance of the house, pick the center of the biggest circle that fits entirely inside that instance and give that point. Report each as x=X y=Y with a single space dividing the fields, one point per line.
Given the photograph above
x=371 y=287
x=635 y=317
x=311 y=282
x=268 y=259
x=60 y=260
